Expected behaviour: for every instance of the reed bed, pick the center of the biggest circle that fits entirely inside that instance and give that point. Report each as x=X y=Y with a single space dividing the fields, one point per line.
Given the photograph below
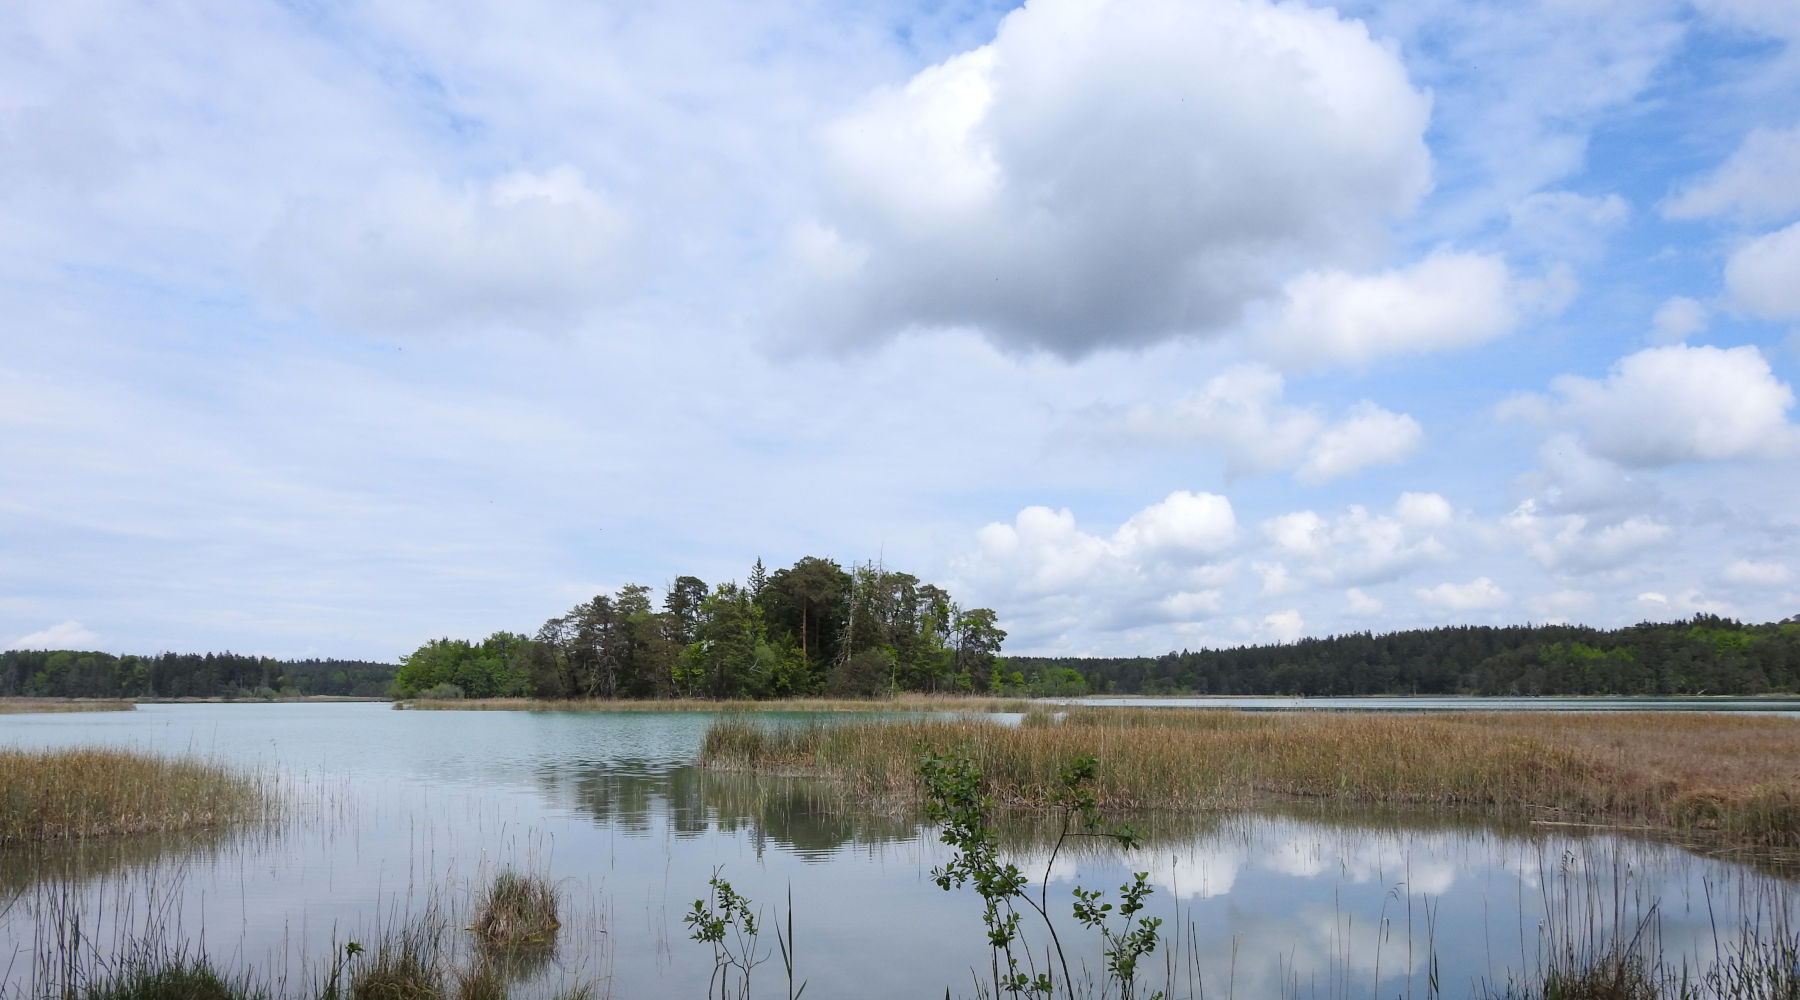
x=415 y=957
x=62 y=795
x=1733 y=779
x=17 y=706
x=898 y=703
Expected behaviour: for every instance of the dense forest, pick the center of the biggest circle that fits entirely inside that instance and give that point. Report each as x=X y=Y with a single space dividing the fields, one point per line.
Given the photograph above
x=66 y=673
x=815 y=628
x=1706 y=655
x=812 y=628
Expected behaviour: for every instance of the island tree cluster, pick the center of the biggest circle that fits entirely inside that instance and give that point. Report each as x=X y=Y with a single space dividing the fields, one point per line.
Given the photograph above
x=810 y=629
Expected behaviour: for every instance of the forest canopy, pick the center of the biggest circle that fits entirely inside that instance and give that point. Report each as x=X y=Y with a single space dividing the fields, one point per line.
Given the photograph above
x=810 y=629
x=70 y=673
x=1705 y=655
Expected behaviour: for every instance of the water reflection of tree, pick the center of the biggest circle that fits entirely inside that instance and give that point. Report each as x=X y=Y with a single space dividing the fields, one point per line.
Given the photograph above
x=80 y=862
x=811 y=818
x=815 y=819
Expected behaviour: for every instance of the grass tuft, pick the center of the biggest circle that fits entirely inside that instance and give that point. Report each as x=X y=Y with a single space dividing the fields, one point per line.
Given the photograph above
x=170 y=979
x=518 y=910
x=408 y=966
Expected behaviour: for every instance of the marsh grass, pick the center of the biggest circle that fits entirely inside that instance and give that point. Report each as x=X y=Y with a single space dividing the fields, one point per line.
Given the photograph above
x=517 y=911
x=409 y=964
x=66 y=795
x=136 y=951
x=897 y=703
x=171 y=978
x=1599 y=939
x=14 y=706
x=1706 y=778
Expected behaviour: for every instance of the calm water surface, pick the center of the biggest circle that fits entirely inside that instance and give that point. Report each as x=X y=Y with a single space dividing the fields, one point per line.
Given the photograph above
x=396 y=812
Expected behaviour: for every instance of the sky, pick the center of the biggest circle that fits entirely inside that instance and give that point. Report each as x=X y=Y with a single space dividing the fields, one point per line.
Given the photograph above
x=327 y=328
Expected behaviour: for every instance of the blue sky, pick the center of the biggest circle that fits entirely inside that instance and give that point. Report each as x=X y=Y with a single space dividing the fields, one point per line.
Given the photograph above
x=1152 y=324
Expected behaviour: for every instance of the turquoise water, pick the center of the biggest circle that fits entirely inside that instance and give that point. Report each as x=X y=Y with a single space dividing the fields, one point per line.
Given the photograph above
x=394 y=812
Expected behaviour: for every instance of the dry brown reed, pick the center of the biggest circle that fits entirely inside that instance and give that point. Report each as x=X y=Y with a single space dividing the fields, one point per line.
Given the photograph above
x=15 y=706
x=898 y=703
x=1722 y=778
x=60 y=795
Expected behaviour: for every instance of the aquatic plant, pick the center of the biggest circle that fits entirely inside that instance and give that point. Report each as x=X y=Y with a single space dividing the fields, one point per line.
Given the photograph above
x=956 y=799
x=1719 y=779
x=173 y=977
x=76 y=794
x=517 y=910
x=724 y=920
x=26 y=705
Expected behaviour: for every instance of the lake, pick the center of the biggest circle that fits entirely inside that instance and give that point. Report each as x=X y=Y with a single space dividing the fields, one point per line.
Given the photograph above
x=395 y=812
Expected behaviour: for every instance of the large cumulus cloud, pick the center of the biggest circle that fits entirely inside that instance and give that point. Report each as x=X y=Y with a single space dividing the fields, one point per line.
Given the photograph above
x=1108 y=172
x=1672 y=404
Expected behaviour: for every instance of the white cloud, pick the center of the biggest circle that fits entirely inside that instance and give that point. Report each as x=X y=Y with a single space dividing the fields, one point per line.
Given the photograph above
x=1044 y=551
x=1689 y=602
x=1519 y=87
x=1780 y=18
x=1369 y=436
x=1358 y=603
x=1361 y=547
x=1576 y=543
x=1763 y=275
x=1561 y=605
x=1191 y=605
x=1109 y=172
x=1759 y=574
x=64 y=635
x=1677 y=319
x=1759 y=183
x=526 y=249
x=1276 y=580
x=1284 y=626
x=1672 y=404
x=1563 y=225
x=1569 y=478
x=1480 y=594
x=1448 y=300
x=1187 y=524
x=1242 y=413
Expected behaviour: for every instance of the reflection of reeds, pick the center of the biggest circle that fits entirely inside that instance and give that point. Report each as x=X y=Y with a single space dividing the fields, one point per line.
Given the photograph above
x=21 y=705
x=1600 y=940
x=59 y=795
x=1728 y=779
x=136 y=952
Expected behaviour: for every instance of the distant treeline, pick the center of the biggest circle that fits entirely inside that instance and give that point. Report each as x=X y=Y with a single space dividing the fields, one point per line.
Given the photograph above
x=1706 y=655
x=65 y=673
x=812 y=628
